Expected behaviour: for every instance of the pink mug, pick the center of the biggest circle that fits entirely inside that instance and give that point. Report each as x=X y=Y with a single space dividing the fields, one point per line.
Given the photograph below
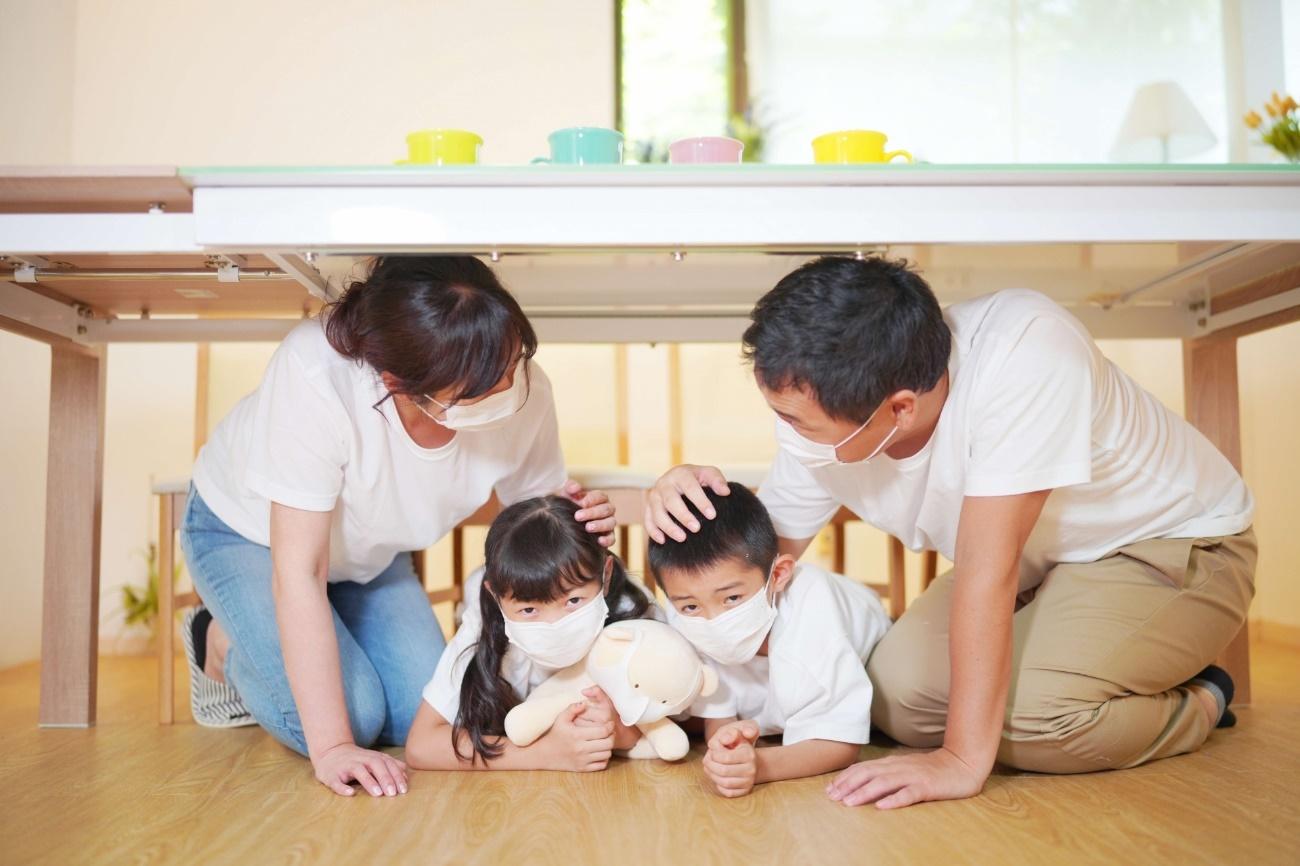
x=706 y=148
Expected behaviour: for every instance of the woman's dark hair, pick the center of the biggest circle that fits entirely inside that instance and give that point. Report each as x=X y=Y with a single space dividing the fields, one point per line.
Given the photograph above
x=433 y=322
x=851 y=331
x=536 y=551
x=742 y=531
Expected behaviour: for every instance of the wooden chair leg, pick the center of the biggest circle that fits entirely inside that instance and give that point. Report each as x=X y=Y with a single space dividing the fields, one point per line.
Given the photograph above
x=897 y=578
x=624 y=542
x=838 y=557
x=457 y=556
x=929 y=567
x=166 y=625
x=417 y=565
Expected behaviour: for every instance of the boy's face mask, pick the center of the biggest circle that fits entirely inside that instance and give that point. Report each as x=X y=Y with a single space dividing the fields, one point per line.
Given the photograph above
x=734 y=637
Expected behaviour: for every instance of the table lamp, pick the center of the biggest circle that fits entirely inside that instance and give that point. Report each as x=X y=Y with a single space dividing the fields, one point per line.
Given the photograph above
x=1161 y=124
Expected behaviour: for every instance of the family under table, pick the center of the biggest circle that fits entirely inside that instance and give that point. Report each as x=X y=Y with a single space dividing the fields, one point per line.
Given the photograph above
x=621 y=255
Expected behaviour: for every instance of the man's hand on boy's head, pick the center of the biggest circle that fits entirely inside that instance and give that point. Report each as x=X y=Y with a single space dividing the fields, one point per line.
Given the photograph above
x=731 y=763
x=595 y=509
x=666 y=511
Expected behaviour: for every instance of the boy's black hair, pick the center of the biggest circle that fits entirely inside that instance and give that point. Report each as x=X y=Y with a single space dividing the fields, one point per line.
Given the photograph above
x=742 y=531
x=851 y=331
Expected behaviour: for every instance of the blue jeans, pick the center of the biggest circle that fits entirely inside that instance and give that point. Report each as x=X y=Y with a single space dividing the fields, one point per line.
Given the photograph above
x=389 y=640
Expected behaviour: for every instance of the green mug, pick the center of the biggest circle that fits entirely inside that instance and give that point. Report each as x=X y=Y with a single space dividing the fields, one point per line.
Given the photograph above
x=584 y=145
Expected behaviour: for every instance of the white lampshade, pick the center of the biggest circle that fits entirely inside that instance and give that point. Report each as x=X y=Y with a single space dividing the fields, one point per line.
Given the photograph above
x=1161 y=124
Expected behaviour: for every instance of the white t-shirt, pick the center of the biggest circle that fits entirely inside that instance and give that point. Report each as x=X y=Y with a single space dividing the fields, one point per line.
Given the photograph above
x=519 y=670
x=1032 y=405
x=311 y=438
x=813 y=683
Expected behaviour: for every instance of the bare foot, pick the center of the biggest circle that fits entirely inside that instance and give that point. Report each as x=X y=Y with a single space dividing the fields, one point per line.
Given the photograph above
x=1208 y=704
x=214 y=664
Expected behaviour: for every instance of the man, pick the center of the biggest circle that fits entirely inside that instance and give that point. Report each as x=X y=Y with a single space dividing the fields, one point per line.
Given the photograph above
x=1102 y=548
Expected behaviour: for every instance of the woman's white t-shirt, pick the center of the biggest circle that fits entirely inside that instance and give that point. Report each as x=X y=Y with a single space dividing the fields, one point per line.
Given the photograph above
x=1032 y=405
x=517 y=668
x=311 y=438
x=813 y=683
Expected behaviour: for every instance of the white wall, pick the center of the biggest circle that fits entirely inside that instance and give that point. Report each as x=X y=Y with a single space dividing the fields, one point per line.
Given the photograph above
x=1270 y=427
x=148 y=436
x=192 y=82
x=25 y=407
x=36 y=80
x=183 y=82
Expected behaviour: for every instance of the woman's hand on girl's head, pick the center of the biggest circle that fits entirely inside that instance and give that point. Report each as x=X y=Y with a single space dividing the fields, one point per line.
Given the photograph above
x=595 y=510
x=379 y=774
x=581 y=748
x=600 y=710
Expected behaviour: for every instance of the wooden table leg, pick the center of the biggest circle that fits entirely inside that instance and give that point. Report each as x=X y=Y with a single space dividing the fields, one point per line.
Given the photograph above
x=73 y=490
x=1212 y=406
x=166 y=624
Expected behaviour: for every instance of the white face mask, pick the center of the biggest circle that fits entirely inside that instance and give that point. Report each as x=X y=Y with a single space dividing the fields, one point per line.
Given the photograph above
x=561 y=643
x=486 y=414
x=734 y=637
x=815 y=454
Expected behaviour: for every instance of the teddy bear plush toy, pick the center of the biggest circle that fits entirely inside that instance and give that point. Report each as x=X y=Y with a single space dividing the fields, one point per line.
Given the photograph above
x=650 y=673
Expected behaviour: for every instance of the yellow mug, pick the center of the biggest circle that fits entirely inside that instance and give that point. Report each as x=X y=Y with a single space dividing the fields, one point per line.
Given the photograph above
x=442 y=147
x=853 y=146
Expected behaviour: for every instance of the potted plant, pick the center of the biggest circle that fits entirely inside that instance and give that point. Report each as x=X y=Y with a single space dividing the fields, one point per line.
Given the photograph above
x=1282 y=131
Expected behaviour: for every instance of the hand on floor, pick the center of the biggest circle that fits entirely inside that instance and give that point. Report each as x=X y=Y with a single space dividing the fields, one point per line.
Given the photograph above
x=731 y=762
x=378 y=773
x=901 y=780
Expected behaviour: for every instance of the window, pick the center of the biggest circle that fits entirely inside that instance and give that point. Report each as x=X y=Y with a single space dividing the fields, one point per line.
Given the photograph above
x=954 y=81
x=674 y=69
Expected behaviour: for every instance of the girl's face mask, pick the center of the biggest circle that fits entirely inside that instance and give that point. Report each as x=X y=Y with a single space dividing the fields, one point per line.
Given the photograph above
x=568 y=639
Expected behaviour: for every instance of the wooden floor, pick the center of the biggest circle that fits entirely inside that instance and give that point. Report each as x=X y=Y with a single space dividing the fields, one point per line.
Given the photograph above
x=129 y=791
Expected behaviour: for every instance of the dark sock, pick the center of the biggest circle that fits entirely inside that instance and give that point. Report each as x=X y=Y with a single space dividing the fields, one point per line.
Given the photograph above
x=1217 y=681
x=199 y=633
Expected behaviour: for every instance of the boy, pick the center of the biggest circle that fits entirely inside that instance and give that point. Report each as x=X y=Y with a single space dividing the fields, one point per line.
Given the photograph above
x=789 y=642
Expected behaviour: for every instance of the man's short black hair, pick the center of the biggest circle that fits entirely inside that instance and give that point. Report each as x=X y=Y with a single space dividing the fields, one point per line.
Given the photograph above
x=742 y=531
x=851 y=331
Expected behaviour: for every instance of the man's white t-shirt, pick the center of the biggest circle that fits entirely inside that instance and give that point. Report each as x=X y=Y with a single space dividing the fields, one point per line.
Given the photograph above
x=1032 y=405
x=518 y=669
x=310 y=437
x=813 y=683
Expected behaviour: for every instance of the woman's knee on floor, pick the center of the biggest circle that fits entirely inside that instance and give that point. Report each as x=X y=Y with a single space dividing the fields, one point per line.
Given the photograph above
x=367 y=709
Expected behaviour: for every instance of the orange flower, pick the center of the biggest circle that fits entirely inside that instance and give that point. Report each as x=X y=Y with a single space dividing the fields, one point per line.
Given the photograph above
x=1253 y=120
x=1272 y=112
x=1289 y=104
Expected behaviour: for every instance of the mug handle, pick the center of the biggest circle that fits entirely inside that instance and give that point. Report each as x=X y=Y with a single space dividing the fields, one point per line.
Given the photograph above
x=537 y=160
x=893 y=153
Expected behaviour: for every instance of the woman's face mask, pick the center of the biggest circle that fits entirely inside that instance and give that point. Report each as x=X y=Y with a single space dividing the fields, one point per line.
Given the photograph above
x=734 y=637
x=486 y=414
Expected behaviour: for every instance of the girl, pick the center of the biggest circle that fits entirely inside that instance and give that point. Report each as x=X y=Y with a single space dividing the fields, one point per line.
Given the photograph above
x=548 y=588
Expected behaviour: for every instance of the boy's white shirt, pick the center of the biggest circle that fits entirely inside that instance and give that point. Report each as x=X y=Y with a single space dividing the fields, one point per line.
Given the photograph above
x=813 y=683
x=519 y=670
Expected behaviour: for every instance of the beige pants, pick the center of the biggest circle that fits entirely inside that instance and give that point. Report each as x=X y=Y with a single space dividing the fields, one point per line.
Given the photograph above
x=1099 y=656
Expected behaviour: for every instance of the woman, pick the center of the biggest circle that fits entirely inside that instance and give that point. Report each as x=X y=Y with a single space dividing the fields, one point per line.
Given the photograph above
x=377 y=428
